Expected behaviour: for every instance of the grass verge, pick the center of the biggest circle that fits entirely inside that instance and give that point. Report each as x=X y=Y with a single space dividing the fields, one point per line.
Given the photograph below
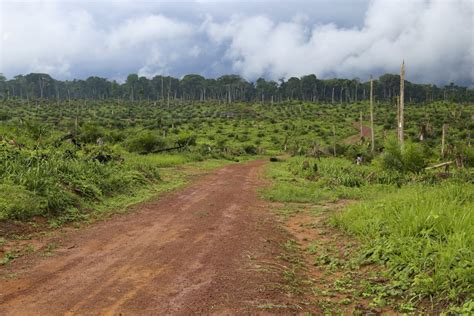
x=416 y=235
x=15 y=235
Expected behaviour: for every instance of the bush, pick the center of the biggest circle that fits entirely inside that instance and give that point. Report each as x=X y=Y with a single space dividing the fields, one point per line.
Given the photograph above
x=413 y=157
x=464 y=153
x=89 y=133
x=250 y=149
x=145 y=142
x=4 y=116
x=469 y=157
x=51 y=181
x=185 y=140
x=391 y=159
x=18 y=203
x=408 y=158
x=354 y=150
x=102 y=154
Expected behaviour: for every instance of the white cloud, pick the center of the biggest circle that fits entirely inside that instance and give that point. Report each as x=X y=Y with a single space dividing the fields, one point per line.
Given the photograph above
x=434 y=37
x=146 y=30
x=113 y=38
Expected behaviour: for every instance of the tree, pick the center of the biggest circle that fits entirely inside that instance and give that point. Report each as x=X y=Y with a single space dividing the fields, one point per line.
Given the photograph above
x=131 y=82
x=229 y=88
x=308 y=87
x=292 y=88
x=193 y=86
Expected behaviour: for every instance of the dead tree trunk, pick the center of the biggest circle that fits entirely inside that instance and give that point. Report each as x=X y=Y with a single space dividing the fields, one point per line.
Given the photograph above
x=443 y=139
x=355 y=94
x=169 y=91
x=402 y=104
x=372 y=133
x=162 y=90
x=398 y=115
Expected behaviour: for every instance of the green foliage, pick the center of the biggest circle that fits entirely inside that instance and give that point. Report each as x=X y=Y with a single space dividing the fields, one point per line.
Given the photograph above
x=62 y=163
x=304 y=179
x=412 y=220
x=18 y=203
x=424 y=235
x=90 y=133
x=186 y=139
x=413 y=157
x=190 y=88
x=469 y=157
x=51 y=181
x=391 y=158
x=421 y=228
x=145 y=142
x=250 y=149
x=407 y=158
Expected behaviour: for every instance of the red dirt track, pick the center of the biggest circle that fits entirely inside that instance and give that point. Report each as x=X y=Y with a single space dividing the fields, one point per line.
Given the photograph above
x=193 y=251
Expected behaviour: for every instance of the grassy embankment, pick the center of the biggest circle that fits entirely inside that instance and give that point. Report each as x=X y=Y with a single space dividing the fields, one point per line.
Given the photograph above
x=414 y=230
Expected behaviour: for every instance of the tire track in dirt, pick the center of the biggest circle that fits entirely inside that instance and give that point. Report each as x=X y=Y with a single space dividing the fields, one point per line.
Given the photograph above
x=186 y=253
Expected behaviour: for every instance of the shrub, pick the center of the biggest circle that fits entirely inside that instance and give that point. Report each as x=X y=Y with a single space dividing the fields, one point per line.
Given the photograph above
x=413 y=157
x=89 y=133
x=406 y=158
x=145 y=142
x=391 y=159
x=250 y=149
x=18 y=203
x=185 y=140
x=469 y=157
x=102 y=154
x=4 y=116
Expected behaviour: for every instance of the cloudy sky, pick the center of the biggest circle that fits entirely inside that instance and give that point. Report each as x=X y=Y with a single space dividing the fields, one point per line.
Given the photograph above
x=269 y=38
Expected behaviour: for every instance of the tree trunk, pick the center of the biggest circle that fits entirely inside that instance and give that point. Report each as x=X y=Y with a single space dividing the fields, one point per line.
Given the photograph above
x=398 y=116
x=355 y=94
x=402 y=103
x=162 y=97
x=372 y=133
x=443 y=139
x=169 y=92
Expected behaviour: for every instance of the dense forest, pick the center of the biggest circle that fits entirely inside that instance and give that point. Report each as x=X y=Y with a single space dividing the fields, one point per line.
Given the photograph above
x=227 y=89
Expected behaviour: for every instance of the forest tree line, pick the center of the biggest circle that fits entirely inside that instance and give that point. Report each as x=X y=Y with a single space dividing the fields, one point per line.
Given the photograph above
x=227 y=88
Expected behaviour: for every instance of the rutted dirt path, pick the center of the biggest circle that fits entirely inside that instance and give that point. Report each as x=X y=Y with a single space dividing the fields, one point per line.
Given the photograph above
x=193 y=251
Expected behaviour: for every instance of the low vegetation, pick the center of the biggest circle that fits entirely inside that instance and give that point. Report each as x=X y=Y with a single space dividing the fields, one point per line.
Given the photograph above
x=423 y=234
x=63 y=160
x=411 y=221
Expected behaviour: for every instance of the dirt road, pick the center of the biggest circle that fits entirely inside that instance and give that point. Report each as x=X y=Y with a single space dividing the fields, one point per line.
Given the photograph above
x=194 y=251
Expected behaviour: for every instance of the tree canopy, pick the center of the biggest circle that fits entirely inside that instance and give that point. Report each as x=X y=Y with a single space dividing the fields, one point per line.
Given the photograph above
x=227 y=88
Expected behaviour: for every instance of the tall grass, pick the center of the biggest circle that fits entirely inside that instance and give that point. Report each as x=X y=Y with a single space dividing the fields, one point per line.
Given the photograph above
x=421 y=228
x=423 y=234
x=162 y=160
x=57 y=180
x=309 y=180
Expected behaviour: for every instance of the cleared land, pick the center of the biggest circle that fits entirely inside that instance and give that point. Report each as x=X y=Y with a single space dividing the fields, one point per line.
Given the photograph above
x=197 y=250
